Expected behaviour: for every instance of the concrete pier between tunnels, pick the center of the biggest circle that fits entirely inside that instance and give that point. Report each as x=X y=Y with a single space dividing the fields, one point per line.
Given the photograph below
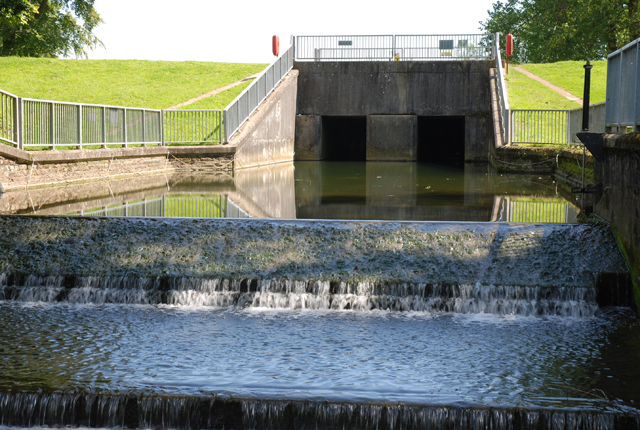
x=394 y=111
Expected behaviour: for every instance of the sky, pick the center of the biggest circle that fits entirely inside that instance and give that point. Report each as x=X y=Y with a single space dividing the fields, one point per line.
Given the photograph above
x=240 y=31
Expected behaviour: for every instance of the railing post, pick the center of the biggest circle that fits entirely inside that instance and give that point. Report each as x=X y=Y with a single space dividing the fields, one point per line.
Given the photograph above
x=144 y=139
x=18 y=123
x=79 y=126
x=104 y=127
x=52 y=125
x=124 y=127
x=162 y=143
x=223 y=123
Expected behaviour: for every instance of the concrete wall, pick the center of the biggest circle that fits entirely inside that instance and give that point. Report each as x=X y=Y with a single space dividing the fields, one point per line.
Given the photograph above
x=443 y=88
x=269 y=134
x=32 y=169
x=620 y=202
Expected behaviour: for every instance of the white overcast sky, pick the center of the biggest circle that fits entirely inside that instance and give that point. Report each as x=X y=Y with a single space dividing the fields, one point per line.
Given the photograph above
x=241 y=30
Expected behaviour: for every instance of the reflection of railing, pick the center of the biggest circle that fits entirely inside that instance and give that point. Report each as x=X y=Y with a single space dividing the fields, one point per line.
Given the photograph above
x=394 y=47
x=507 y=209
x=176 y=206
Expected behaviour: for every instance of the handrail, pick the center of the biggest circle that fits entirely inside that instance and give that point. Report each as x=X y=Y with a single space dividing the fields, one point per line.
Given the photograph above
x=504 y=95
x=623 y=72
x=239 y=110
x=402 y=47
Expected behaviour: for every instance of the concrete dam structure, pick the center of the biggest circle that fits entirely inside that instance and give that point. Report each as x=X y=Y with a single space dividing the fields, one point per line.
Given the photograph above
x=400 y=111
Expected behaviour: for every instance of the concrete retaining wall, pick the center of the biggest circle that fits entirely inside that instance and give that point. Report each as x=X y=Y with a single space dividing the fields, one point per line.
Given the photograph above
x=443 y=88
x=27 y=169
x=620 y=202
x=268 y=136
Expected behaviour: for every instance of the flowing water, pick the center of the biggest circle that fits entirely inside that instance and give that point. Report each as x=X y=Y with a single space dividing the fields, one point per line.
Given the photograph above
x=313 y=325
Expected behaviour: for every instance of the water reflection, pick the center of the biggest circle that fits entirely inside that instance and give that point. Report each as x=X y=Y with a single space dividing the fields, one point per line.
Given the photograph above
x=313 y=190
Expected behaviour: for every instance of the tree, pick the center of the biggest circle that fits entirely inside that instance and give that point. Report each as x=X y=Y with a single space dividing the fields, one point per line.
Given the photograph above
x=556 y=30
x=47 y=28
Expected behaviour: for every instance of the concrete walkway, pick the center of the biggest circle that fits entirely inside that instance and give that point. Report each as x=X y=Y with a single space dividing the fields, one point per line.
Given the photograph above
x=549 y=85
x=214 y=92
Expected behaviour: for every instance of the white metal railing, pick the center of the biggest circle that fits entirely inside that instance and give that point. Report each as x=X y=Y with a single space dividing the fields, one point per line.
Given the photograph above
x=502 y=93
x=60 y=124
x=554 y=126
x=239 y=110
x=192 y=126
x=395 y=47
x=623 y=92
x=540 y=126
x=9 y=119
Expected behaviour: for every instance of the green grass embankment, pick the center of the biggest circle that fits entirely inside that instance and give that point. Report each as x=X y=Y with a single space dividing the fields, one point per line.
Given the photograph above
x=526 y=93
x=131 y=83
x=569 y=75
x=220 y=100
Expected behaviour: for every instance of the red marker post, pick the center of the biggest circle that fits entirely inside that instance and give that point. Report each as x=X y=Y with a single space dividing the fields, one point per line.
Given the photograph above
x=509 y=49
x=275 y=45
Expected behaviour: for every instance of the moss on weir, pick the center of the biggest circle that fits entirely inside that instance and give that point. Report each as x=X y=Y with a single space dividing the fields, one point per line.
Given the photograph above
x=499 y=254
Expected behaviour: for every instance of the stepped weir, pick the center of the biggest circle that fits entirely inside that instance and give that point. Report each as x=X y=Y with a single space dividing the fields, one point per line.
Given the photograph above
x=290 y=324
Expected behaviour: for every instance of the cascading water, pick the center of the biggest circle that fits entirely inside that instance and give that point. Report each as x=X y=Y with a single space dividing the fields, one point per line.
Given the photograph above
x=299 y=295
x=298 y=325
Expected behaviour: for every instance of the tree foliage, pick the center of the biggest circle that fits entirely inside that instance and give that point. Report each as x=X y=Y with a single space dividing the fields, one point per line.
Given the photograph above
x=47 y=28
x=557 y=30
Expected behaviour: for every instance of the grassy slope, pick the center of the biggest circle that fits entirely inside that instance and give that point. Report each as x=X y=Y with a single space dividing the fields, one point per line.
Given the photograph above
x=133 y=83
x=220 y=100
x=526 y=93
x=569 y=75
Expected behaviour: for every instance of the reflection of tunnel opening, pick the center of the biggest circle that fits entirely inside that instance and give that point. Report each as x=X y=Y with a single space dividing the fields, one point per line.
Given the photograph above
x=344 y=138
x=441 y=138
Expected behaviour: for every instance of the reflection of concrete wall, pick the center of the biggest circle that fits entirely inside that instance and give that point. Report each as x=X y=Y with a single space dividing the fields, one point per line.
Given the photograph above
x=270 y=188
x=81 y=197
x=476 y=184
x=391 y=184
x=268 y=135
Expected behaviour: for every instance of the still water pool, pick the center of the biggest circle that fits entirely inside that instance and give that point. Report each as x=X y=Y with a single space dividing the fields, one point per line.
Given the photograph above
x=315 y=190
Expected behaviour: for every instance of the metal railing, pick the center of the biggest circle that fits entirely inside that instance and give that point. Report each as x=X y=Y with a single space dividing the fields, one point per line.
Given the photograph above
x=554 y=126
x=623 y=92
x=9 y=119
x=192 y=126
x=540 y=126
x=395 y=47
x=56 y=124
x=239 y=110
x=502 y=93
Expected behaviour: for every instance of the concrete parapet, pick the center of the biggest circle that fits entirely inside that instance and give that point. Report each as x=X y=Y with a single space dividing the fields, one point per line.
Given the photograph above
x=392 y=138
x=423 y=88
